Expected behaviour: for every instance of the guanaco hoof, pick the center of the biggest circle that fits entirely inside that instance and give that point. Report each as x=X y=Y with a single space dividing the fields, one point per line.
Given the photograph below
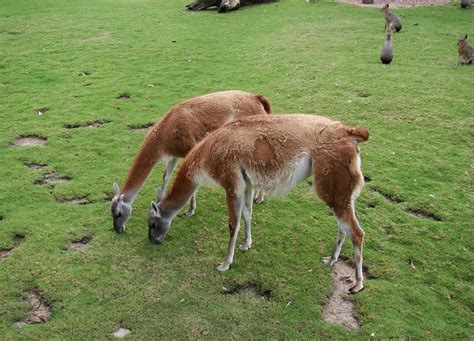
x=245 y=247
x=222 y=267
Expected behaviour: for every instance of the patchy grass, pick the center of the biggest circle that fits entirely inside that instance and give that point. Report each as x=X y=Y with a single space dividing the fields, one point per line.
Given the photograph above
x=76 y=57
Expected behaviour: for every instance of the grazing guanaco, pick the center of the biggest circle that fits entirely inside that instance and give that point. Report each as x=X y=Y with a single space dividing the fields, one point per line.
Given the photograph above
x=392 y=21
x=175 y=135
x=273 y=153
x=466 y=52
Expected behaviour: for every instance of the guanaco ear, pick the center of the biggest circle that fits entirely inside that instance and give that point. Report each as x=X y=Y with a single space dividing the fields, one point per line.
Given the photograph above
x=116 y=188
x=159 y=194
x=155 y=209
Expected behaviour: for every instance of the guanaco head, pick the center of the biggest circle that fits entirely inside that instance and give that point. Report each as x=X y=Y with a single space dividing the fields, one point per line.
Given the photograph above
x=121 y=210
x=157 y=224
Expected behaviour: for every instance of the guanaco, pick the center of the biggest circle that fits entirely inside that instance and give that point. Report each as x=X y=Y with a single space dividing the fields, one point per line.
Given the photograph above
x=466 y=52
x=175 y=135
x=386 y=55
x=392 y=21
x=273 y=153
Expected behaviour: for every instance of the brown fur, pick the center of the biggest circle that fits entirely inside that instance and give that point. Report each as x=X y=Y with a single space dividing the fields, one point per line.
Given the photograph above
x=466 y=52
x=258 y=152
x=392 y=21
x=186 y=124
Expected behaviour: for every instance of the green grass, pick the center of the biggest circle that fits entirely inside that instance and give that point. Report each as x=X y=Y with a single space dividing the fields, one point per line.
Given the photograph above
x=312 y=58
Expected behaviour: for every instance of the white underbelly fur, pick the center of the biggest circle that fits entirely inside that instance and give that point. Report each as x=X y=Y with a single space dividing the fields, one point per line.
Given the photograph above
x=282 y=182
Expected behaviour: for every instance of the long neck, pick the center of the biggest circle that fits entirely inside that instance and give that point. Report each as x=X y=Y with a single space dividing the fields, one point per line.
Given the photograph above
x=179 y=194
x=149 y=154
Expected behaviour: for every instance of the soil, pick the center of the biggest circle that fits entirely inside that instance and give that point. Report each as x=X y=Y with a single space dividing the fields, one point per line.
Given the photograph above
x=140 y=127
x=35 y=165
x=257 y=289
x=79 y=244
x=76 y=201
x=123 y=96
x=40 y=310
x=396 y=3
x=422 y=213
x=338 y=309
x=5 y=252
x=90 y=124
x=121 y=333
x=29 y=141
x=52 y=178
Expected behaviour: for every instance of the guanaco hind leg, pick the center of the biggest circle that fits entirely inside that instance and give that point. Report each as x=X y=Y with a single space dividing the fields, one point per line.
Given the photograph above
x=350 y=224
x=247 y=214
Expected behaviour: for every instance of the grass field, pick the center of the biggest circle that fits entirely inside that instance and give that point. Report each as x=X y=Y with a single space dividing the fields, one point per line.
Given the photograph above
x=76 y=57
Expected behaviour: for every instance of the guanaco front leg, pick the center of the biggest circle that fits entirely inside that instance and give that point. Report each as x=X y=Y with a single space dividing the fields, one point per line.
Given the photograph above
x=170 y=166
x=192 y=207
x=235 y=205
x=247 y=214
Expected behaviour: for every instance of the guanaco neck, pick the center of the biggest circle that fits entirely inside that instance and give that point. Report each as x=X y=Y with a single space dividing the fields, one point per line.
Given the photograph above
x=149 y=154
x=179 y=194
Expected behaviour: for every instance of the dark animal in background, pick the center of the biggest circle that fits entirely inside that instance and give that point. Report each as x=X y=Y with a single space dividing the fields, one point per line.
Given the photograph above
x=465 y=3
x=392 y=21
x=466 y=52
x=387 y=52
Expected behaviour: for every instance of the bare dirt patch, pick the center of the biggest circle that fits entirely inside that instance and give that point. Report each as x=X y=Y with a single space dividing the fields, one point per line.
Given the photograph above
x=394 y=3
x=124 y=96
x=35 y=165
x=41 y=111
x=29 y=141
x=121 y=333
x=424 y=214
x=255 y=288
x=39 y=312
x=89 y=124
x=140 y=127
x=76 y=201
x=79 y=244
x=16 y=241
x=390 y=198
x=338 y=309
x=52 y=178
